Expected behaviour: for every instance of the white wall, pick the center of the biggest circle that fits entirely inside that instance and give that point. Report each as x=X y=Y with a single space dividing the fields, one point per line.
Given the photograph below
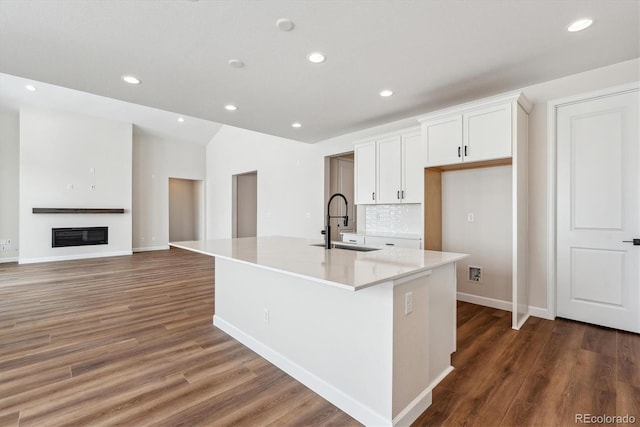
x=57 y=151
x=486 y=193
x=9 y=174
x=290 y=183
x=155 y=160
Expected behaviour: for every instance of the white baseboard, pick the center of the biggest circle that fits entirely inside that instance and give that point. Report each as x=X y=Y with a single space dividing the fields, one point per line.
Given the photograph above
x=420 y=404
x=487 y=302
x=334 y=395
x=543 y=313
x=12 y=259
x=72 y=257
x=151 y=248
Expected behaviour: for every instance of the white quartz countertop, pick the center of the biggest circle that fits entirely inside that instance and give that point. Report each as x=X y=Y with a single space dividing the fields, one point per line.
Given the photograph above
x=348 y=269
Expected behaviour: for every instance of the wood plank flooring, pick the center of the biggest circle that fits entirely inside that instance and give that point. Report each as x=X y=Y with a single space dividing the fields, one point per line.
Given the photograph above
x=129 y=341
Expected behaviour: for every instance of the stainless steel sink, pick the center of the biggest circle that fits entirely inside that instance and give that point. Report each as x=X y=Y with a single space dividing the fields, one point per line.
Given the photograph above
x=348 y=247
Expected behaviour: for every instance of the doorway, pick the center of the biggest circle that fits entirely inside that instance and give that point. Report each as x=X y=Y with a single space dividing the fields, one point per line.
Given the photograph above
x=186 y=210
x=245 y=205
x=597 y=212
x=340 y=174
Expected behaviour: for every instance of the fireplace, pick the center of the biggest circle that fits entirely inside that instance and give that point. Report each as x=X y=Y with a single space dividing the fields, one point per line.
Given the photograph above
x=81 y=236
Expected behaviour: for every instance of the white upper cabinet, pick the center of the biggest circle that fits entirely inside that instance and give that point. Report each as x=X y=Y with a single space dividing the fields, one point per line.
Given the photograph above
x=365 y=173
x=487 y=134
x=390 y=170
x=412 y=168
x=473 y=132
x=443 y=140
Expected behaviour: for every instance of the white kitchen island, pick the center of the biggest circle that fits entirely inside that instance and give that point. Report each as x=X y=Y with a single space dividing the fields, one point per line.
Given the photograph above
x=371 y=332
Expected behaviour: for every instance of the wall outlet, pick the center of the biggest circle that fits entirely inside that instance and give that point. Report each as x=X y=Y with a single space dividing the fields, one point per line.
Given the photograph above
x=474 y=274
x=265 y=316
x=408 y=303
x=470 y=217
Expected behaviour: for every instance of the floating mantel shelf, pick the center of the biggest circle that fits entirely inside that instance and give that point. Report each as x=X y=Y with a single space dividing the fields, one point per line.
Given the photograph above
x=78 y=210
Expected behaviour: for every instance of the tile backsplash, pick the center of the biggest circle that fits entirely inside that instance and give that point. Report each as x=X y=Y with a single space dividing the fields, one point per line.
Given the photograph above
x=405 y=218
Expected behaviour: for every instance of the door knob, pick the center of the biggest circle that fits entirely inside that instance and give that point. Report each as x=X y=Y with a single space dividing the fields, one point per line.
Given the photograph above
x=636 y=242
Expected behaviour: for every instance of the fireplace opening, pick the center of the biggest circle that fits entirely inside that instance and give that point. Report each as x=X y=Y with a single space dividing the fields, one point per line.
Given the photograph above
x=82 y=236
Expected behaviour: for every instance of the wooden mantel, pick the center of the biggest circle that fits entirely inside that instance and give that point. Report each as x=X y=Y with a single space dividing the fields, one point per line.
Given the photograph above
x=78 y=210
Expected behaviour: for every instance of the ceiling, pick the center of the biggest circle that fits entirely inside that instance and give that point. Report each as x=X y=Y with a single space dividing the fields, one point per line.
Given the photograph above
x=431 y=53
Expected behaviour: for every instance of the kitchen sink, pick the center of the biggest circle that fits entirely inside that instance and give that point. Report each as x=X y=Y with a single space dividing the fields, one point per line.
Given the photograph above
x=348 y=247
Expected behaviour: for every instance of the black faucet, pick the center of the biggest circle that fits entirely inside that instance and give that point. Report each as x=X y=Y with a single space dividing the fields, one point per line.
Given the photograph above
x=327 y=229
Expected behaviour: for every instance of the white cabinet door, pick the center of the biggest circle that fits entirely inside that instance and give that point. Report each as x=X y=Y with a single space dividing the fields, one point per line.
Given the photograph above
x=443 y=141
x=353 y=238
x=487 y=134
x=377 y=241
x=389 y=170
x=598 y=209
x=365 y=173
x=412 y=169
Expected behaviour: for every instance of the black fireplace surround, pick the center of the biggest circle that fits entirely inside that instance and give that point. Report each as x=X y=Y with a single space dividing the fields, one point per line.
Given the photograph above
x=80 y=236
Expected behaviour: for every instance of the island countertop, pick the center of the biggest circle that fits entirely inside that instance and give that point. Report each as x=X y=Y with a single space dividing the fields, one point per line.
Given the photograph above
x=348 y=269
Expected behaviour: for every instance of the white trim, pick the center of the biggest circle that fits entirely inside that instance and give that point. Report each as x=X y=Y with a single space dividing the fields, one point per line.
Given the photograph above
x=487 y=302
x=513 y=96
x=357 y=410
x=552 y=107
x=12 y=259
x=540 y=312
x=517 y=325
x=420 y=404
x=151 y=248
x=72 y=257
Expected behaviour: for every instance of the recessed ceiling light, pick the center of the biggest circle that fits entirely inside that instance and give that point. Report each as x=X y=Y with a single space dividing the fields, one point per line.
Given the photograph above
x=316 y=57
x=580 y=25
x=284 y=24
x=31 y=88
x=230 y=107
x=131 y=80
x=236 y=63
x=385 y=93
x=180 y=119
x=296 y=125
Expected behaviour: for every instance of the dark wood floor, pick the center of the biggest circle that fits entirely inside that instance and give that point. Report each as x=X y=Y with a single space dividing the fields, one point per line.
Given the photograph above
x=129 y=341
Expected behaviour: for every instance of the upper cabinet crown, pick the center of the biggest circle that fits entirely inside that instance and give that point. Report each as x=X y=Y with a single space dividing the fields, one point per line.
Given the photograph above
x=389 y=169
x=473 y=132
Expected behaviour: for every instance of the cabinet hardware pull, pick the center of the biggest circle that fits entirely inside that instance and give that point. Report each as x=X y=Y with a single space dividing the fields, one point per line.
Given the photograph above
x=636 y=242
x=402 y=194
x=390 y=244
x=352 y=241
x=398 y=195
x=373 y=196
x=465 y=151
x=459 y=152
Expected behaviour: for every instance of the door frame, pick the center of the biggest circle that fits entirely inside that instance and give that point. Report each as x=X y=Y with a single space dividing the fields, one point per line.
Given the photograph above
x=552 y=166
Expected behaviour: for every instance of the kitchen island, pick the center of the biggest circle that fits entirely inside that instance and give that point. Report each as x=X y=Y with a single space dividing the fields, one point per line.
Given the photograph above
x=370 y=331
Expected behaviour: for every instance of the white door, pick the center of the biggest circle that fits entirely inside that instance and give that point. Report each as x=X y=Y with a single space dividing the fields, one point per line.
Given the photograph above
x=443 y=141
x=412 y=168
x=598 y=192
x=389 y=173
x=487 y=134
x=365 y=173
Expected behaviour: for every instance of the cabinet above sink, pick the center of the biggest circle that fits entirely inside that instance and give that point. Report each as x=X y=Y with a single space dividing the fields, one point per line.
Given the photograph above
x=389 y=169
